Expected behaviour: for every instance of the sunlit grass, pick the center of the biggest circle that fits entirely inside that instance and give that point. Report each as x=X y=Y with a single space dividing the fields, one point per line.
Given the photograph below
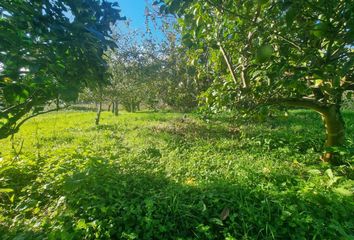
x=170 y=176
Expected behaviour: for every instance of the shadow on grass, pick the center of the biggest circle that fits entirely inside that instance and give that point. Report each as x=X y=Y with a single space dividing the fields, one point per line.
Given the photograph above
x=105 y=201
x=261 y=136
x=190 y=129
x=300 y=132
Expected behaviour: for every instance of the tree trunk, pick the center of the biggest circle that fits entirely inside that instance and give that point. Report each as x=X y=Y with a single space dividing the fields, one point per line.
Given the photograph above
x=116 y=110
x=333 y=120
x=132 y=108
x=113 y=106
x=335 y=132
x=98 y=116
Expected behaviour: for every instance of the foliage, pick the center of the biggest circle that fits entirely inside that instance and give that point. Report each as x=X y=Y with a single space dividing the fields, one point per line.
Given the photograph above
x=165 y=176
x=151 y=74
x=179 y=88
x=48 y=51
x=293 y=53
x=277 y=49
x=133 y=67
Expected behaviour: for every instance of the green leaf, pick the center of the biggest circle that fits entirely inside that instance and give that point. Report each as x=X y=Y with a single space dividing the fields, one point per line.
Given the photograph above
x=217 y=221
x=349 y=95
x=15 y=93
x=314 y=172
x=6 y=190
x=329 y=173
x=174 y=6
x=321 y=29
x=5 y=168
x=343 y=191
x=81 y=224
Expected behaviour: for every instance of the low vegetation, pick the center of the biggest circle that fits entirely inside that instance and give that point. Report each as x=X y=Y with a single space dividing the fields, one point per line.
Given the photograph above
x=174 y=176
x=244 y=158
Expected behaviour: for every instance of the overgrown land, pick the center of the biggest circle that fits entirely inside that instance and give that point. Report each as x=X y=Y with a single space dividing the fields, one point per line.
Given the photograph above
x=174 y=176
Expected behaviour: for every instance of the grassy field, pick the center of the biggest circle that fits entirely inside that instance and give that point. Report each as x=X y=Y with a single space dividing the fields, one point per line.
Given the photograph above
x=166 y=176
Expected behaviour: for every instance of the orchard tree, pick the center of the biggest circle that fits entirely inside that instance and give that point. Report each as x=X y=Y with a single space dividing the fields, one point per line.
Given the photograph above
x=127 y=74
x=179 y=89
x=134 y=70
x=49 y=50
x=274 y=52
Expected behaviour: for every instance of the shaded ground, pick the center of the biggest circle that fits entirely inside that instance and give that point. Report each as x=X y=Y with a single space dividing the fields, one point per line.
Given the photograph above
x=166 y=176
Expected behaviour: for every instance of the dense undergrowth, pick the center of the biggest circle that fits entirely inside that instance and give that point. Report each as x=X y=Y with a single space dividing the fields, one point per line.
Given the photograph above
x=166 y=176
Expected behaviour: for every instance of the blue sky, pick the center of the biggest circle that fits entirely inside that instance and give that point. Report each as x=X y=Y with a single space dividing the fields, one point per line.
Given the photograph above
x=134 y=10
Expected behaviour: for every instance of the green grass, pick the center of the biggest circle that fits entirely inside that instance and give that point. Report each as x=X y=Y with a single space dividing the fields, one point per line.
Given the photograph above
x=163 y=176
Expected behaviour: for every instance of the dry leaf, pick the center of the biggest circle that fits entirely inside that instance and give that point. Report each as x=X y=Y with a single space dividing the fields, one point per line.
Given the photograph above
x=224 y=214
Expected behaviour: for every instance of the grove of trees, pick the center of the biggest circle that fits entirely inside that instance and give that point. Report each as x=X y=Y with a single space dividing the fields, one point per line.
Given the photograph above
x=239 y=56
x=149 y=74
x=263 y=53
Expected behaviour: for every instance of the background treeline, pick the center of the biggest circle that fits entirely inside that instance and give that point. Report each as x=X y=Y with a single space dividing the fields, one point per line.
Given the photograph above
x=144 y=74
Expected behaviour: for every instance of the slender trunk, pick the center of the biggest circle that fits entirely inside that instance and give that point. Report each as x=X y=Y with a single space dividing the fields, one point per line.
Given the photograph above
x=109 y=107
x=113 y=106
x=131 y=106
x=98 y=116
x=335 y=132
x=116 y=110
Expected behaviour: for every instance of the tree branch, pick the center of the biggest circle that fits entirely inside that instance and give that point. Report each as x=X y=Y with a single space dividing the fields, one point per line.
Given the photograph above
x=288 y=41
x=21 y=105
x=228 y=62
x=302 y=102
x=37 y=114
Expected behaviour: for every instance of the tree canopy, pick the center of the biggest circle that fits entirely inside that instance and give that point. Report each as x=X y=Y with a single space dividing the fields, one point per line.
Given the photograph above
x=295 y=53
x=48 y=51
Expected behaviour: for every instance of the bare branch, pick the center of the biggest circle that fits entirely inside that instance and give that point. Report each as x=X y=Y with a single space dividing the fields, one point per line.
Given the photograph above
x=228 y=62
x=288 y=41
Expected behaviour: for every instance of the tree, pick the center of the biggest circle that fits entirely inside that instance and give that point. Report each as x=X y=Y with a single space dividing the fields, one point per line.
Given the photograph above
x=179 y=89
x=96 y=95
x=126 y=66
x=49 y=50
x=274 y=52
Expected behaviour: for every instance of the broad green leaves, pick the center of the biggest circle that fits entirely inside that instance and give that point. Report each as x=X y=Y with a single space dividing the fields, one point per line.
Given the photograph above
x=48 y=51
x=15 y=93
x=276 y=49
